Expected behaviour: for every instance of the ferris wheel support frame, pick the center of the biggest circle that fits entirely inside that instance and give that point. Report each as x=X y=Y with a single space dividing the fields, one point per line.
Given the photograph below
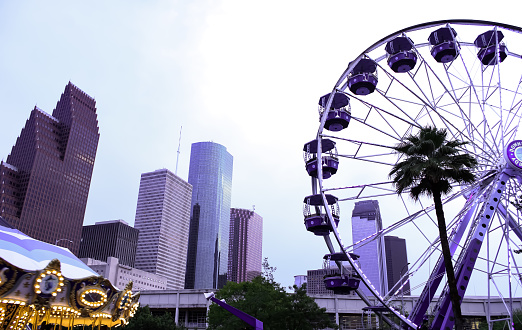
x=464 y=266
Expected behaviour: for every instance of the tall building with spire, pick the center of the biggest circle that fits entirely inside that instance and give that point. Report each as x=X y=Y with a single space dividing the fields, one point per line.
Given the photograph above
x=245 y=245
x=45 y=181
x=210 y=174
x=162 y=217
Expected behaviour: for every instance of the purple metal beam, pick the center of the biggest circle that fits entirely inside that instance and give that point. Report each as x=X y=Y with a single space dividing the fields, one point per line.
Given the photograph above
x=422 y=304
x=250 y=320
x=444 y=318
x=511 y=222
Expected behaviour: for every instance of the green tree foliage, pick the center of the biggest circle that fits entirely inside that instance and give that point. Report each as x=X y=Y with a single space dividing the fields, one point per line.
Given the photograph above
x=430 y=164
x=517 y=321
x=306 y=315
x=143 y=319
x=268 y=302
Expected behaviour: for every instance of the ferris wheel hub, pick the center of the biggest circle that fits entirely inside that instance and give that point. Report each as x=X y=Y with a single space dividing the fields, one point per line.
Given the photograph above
x=513 y=154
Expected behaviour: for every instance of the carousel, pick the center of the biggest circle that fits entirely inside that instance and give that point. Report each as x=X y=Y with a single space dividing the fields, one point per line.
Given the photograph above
x=44 y=286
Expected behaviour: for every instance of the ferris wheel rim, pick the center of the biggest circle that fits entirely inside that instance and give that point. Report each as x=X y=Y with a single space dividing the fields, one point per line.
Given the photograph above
x=318 y=186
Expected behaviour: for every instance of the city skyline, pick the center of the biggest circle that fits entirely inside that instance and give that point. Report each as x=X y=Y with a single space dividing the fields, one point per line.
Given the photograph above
x=217 y=69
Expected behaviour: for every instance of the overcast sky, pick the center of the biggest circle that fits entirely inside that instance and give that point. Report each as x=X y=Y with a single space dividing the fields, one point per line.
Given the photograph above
x=244 y=74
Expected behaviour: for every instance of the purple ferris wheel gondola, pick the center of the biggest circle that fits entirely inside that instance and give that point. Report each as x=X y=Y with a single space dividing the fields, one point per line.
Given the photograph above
x=487 y=43
x=477 y=104
x=362 y=80
x=339 y=114
x=315 y=218
x=329 y=161
x=444 y=45
x=346 y=280
x=401 y=55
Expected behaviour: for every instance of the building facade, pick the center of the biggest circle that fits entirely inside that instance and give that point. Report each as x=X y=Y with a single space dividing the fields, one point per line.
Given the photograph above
x=366 y=221
x=396 y=263
x=162 y=218
x=119 y=275
x=113 y=238
x=210 y=174
x=245 y=250
x=46 y=178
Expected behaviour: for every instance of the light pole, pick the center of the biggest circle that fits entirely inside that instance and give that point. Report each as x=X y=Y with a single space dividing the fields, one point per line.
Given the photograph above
x=62 y=239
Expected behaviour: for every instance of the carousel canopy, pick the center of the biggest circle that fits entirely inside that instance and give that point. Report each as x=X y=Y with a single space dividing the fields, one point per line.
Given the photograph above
x=27 y=253
x=41 y=283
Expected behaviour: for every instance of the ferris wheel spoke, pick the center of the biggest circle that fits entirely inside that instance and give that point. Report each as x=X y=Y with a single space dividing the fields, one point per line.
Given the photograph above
x=452 y=83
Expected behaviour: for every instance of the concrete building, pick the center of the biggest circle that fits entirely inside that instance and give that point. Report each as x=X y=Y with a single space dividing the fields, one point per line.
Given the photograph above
x=162 y=217
x=45 y=181
x=114 y=238
x=245 y=245
x=366 y=221
x=210 y=174
x=189 y=308
x=119 y=275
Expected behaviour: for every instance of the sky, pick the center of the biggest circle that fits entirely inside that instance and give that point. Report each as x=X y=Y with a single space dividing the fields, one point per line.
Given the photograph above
x=244 y=74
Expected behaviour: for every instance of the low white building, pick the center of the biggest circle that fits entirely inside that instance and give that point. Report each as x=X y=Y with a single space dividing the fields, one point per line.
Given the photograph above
x=119 y=275
x=189 y=308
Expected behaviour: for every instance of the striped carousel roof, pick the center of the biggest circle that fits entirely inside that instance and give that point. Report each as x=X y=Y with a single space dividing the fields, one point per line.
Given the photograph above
x=29 y=254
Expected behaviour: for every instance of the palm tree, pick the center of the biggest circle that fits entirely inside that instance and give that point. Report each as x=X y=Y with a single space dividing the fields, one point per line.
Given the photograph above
x=430 y=164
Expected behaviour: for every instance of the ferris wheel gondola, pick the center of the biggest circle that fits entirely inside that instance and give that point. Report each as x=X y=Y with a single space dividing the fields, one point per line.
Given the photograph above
x=457 y=75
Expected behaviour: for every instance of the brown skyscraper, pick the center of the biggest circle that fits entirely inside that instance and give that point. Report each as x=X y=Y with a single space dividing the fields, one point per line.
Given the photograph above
x=245 y=245
x=45 y=181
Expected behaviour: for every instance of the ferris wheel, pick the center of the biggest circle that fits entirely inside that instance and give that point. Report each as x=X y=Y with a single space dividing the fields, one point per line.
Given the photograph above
x=464 y=76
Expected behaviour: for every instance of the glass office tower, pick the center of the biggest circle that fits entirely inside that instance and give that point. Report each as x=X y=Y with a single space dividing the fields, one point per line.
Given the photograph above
x=210 y=174
x=366 y=221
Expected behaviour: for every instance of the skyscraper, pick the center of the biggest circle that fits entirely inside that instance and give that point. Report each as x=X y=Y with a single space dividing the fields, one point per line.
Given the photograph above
x=162 y=217
x=396 y=262
x=366 y=221
x=210 y=174
x=105 y=239
x=45 y=181
x=245 y=245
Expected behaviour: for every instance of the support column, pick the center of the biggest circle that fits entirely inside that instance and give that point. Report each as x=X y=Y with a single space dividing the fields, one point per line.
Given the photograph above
x=176 y=316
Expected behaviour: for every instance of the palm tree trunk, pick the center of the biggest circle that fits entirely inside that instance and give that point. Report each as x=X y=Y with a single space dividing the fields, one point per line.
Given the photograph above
x=452 y=283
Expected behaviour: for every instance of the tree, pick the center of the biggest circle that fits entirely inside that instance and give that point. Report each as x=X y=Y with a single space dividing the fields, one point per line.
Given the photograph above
x=268 y=302
x=306 y=315
x=268 y=271
x=430 y=164
x=143 y=319
x=500 y=325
